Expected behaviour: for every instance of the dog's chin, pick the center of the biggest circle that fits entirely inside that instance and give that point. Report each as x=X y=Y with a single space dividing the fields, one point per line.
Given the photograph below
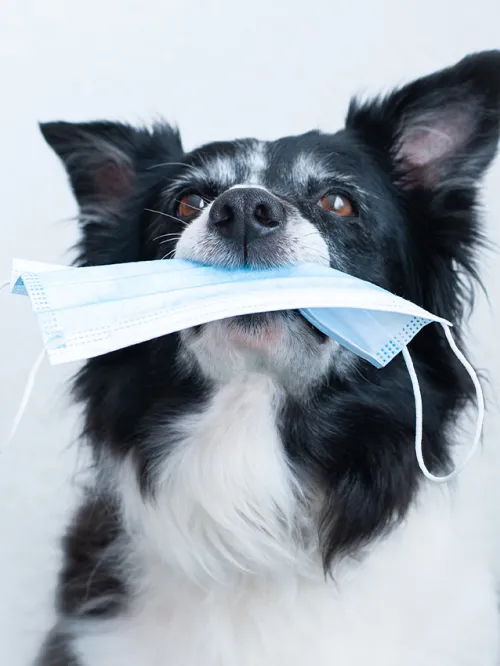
x=264 y=331
x=281 y=344
x=254 y=332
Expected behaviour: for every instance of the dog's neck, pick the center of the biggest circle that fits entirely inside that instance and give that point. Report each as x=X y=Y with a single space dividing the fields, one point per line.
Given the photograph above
x=225 y=499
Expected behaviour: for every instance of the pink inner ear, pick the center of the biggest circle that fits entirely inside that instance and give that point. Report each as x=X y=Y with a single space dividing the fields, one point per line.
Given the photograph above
x=112 y=179
x=429 y=139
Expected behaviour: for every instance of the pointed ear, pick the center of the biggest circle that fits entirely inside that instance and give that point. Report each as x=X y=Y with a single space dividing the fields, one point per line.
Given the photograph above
x=110 y=168
x=439 y=128
x=103 y=158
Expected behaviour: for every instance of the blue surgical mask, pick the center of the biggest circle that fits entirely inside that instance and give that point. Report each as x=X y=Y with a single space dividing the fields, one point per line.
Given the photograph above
x=86 y=312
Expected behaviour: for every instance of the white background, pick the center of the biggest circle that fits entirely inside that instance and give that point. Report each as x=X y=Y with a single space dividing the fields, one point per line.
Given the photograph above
x=220 y=69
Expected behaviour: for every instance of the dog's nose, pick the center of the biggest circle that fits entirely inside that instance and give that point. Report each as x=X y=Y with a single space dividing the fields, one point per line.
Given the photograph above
x=245 y=214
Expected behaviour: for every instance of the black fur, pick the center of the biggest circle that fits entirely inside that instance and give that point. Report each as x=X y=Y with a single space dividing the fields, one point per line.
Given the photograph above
x=56 y=651
x=88 y=583
x=416 y=234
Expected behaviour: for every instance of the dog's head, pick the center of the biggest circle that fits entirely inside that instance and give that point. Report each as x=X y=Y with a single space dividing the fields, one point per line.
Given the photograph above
x=388 y=199
x=391 y=199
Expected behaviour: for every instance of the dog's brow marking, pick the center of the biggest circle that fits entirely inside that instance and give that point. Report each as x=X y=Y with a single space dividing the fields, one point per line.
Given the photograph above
x=218 y=169
x=257 y=165
x=306 y=167
x=192 y=172
x=221 y=169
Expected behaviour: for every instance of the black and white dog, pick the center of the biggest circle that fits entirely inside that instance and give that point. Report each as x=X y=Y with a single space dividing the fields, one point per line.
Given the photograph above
x=257 y=497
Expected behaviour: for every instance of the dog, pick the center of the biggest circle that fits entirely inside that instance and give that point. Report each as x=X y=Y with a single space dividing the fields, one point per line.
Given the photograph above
x=257 y=499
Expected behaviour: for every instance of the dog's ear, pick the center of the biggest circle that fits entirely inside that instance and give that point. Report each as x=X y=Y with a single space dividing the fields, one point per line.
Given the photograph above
x=110 y=166
x=440 y=128
x=103 y=158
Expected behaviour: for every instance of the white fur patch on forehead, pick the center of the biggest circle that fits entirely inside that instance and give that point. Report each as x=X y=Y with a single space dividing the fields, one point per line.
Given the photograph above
x=307 y=167
x=257 y=164
x=246 y=167
x=220 y=170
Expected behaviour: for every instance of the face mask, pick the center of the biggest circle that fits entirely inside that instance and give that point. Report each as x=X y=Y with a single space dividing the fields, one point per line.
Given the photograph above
x=86 y=312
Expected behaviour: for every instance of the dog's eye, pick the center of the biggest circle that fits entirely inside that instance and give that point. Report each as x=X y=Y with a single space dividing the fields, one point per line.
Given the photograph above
x=338 y=204
x=189 y=205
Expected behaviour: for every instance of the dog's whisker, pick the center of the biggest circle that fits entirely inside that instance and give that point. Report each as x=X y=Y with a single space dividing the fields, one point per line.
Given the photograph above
x=170 y=240
x=160 y=212
x=168 y=255
x=171 y=235
x=200 y=210
x=161 y=164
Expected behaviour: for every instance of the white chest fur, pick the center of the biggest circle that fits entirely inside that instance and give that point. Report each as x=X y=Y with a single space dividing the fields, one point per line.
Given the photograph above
x=226 y=497
x=439 y=613
x=223 y=580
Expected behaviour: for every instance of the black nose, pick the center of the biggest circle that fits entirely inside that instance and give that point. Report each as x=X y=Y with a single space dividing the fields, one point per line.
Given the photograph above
x=245 y=214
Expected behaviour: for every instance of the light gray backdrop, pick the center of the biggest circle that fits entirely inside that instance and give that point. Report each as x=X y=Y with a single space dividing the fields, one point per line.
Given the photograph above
x=220 y=69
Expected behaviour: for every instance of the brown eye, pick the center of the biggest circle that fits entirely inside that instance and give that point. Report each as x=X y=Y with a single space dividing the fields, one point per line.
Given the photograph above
x=189 y=205
x=338 y=204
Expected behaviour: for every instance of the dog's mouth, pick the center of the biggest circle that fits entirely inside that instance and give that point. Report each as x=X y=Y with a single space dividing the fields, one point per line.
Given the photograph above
x=283 y=344
x=264 y=329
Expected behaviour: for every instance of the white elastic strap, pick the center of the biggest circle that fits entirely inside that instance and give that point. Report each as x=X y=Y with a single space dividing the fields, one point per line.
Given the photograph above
x=419 y=411
x=28 y=389
x=30 y=383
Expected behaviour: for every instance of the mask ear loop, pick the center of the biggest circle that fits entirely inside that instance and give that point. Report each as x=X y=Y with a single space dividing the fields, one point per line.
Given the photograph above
x=28 y=389
x=419 y=412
